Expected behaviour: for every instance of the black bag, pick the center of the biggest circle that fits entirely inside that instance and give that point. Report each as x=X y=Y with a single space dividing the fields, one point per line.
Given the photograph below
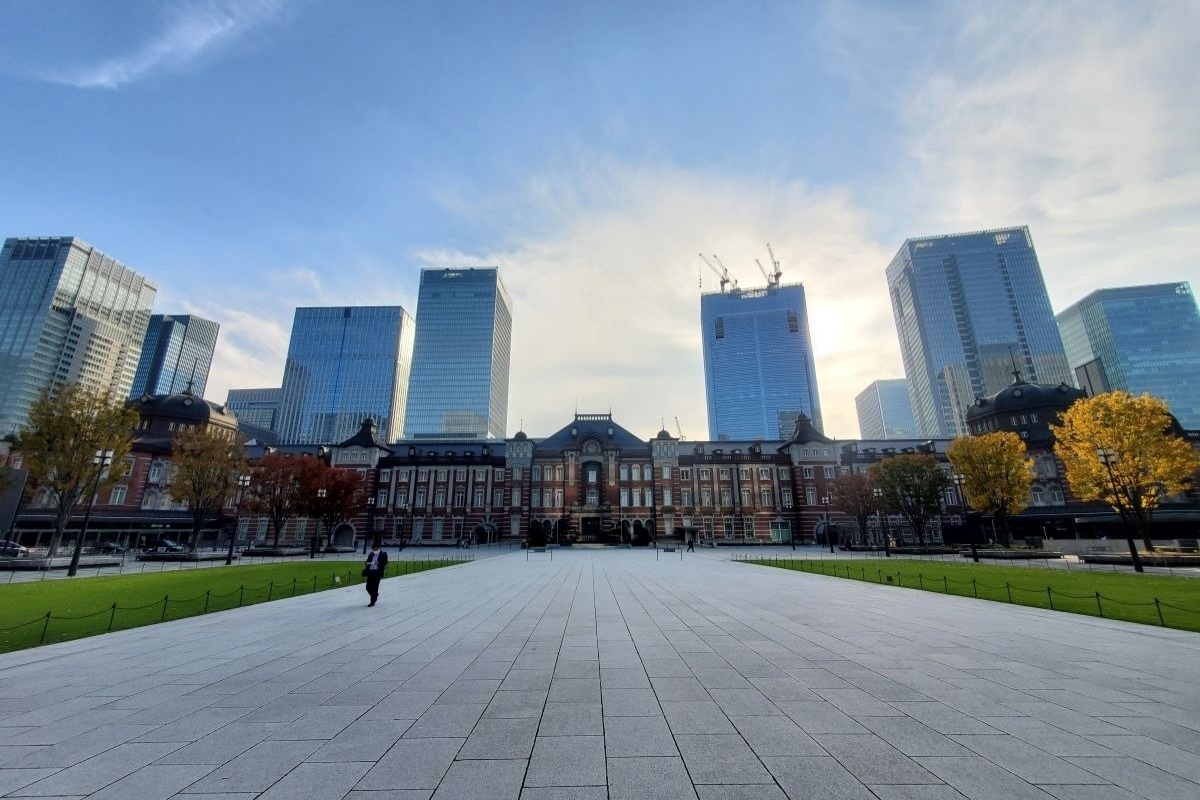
x=365 y=571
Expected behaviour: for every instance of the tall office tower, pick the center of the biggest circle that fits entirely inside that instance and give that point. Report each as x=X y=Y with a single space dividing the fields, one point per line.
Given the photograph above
x=1138 y=339
x=758 y=362
x=69 y=314
x=884 y=411
x=345 y=364
x=460 y=362
x=257 y=407
x=971 y=309
x=176 y=354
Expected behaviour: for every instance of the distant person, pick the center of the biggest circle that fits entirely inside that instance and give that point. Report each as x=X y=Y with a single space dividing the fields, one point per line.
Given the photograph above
x=691 y=548
x=373 y=570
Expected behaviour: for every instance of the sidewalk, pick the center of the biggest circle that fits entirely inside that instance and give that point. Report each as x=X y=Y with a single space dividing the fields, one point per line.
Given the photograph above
x=606 y=674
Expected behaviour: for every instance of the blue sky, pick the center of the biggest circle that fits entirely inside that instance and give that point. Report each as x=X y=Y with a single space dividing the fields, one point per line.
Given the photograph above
x=258 y=155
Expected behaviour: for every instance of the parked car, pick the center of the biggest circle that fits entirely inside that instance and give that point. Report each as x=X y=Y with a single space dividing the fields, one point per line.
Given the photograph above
x=10 y=549
x=168 y=546
x=113 y=548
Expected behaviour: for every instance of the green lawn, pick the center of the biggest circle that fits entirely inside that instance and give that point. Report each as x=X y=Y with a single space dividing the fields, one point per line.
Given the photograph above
x=1150 y=599
x=89 y=606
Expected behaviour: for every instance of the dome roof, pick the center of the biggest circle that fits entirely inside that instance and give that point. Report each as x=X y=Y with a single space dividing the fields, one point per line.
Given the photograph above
x=184 y=407
x=664 y=434
x=1022 y=397
x=520 y=437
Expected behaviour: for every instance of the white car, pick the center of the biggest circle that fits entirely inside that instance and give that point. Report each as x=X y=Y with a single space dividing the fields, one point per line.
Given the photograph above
x=9 y=549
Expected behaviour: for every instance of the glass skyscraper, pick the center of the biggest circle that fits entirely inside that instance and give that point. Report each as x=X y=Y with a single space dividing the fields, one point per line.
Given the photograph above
x=884 y=411
x=1138 y=339
x=969 y=308
x=257 y=407
x=758 y=362
x=69 y=314
x=459 y=384
x=176 y=353
x=345 y=364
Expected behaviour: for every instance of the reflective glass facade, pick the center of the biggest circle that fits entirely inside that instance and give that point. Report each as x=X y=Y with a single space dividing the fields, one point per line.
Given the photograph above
x=884 y=411
x=459 y=384
x=345 y=364
x=69 y=314
x=758 y=362
x=177 y=351
x=1138 y=339
x=257 y=407
x=968 y=307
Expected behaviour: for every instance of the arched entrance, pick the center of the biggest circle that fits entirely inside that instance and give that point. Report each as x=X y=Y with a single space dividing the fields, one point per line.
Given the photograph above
x=343 y=536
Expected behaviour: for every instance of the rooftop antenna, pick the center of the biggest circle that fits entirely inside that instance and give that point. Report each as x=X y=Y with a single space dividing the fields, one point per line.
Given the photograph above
x=1016 y=373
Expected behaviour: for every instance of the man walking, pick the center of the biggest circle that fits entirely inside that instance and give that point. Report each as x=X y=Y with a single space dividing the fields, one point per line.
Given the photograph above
x=691 y=548
x=374 y=569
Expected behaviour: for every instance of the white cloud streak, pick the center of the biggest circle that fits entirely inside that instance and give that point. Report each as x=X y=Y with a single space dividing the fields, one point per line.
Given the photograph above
x=606 y=301
x=190 y=31
x=1078 y=119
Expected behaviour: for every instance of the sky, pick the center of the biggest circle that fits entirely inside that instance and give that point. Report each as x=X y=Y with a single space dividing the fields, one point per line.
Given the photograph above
x=252 y=156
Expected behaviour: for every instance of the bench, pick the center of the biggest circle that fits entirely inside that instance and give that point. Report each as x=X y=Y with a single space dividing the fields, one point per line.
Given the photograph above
x=529 y=550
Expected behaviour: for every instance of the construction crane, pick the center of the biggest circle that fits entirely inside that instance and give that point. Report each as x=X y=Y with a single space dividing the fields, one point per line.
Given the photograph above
x=678 y=427
x=721 y=273
x=776 y=272
x=766 y=275
x=725 y=270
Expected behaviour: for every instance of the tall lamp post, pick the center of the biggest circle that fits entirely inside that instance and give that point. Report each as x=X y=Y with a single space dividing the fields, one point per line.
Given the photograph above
x=370 y=524
x=315 y=543
x=960 y=481
x=1108 y=457
x=243 y=483
x=887 y=537
x=101 y=460
x=827 y=500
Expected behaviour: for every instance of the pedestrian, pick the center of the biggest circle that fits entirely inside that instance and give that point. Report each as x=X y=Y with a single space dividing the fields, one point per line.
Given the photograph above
x=373 y=570
x=691 y=544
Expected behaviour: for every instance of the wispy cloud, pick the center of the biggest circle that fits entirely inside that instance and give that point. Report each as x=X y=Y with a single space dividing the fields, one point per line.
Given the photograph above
x=603 y=271
x=1076 y=118
x=190 y=31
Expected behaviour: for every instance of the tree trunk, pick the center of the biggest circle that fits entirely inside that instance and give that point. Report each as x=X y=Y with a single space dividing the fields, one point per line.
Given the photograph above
x=1005 y=533
x=197 y=524
x=60 y=527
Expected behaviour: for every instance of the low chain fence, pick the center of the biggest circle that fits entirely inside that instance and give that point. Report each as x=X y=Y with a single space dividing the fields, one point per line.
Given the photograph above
x=1153 y=611
x=52 y=627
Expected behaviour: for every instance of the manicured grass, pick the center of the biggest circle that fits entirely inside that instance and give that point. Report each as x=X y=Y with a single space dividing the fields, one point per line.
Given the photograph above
x=90 y=606
x=1150 y=599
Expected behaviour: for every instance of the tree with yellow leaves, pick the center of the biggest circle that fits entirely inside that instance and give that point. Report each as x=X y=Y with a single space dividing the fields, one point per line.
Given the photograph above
x=998 y=474
x=1123 y=451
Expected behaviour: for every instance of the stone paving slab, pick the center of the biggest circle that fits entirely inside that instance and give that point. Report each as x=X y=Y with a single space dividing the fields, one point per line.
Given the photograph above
x=605 y=675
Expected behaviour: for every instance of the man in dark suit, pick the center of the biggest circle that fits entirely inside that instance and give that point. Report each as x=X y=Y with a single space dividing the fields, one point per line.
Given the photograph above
x=374 y=569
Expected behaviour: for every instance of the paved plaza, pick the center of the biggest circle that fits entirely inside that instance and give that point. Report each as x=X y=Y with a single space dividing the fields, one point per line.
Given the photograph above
x=608 y=674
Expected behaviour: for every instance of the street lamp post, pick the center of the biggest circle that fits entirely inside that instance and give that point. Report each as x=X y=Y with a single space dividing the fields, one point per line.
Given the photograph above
x=101 y=460
x=1108 y=457
x=315 y=543
x=370 y=523
x=960 y=481
x=243 y=483
x=827 y=500
x=887 y=539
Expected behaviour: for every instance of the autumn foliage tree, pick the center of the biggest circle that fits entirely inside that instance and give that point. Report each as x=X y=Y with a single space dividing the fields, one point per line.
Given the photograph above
x=912 y=486
x=276 y=488
x=65 y=431
x=854 y=496
x=333 y=496
x=998 y=474
x=1147 y=460
x=208 y=462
